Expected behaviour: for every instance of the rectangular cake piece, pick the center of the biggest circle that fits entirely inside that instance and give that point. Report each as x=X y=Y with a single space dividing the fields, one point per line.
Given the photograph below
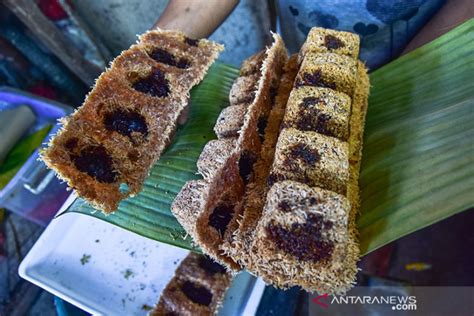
x=306 y=235
x=226 y=164
x=303 y=238
x=238 y=244
x=230 y=120
x=321 y=40
x=198 y=288
x=106 y=148
x=328 y=70
x=311 y=158
x=319 y=110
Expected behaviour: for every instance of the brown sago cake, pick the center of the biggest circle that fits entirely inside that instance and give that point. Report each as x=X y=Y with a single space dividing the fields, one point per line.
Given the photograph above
x=307 y=235
x=207 y=208
x=290 y=217
x=106 y=148
x=197 y=288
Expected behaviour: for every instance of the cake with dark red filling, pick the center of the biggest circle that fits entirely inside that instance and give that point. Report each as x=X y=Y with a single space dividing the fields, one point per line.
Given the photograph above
x=197 y=288
x=290 y=215
x=209 y=208
x=129 y=117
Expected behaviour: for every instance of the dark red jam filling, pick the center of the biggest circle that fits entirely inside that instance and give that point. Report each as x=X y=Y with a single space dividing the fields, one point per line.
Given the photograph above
x=312 y=119
x=221 y=217
x=261 y=125
x=210 y=266
x=191 y=42
x=331 y=42
x=126 y=123
x=96 y=162
x=304 y=241
x=71 y=144
x=284 y=206
x=314 y=79
x=308 y=101
x=154 y=84
x=198 y=294
x=162 y=56
x=133 y=155
x=246 y=161
x=308 y=155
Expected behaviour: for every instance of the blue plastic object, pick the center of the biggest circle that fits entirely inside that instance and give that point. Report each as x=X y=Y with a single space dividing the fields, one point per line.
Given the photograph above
x=34 y=192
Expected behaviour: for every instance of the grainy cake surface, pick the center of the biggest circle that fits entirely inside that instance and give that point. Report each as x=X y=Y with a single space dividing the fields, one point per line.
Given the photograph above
x=334 y=71
x=311 y=158
x=304 y=230
x=230 y=120
x=197 y=288
x=322 y=40
x=306 y=235
x=319 y=110
x=238 y=244
x=129 y=117
x=293 y=211
x=227 y=165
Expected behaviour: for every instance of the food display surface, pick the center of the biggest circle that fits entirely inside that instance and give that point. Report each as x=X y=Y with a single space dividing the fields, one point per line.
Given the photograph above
x=105 y=269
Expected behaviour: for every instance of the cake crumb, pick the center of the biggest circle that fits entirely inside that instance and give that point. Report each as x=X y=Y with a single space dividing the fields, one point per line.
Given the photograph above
x=146 y=307
x=128 y=273
x=85 y=259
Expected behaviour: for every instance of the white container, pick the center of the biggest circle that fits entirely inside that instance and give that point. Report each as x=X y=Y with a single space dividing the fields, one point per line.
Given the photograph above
x=106 y=270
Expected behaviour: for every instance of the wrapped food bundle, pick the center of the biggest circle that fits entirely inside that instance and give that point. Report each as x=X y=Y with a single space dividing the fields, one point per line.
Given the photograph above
x=280 y=191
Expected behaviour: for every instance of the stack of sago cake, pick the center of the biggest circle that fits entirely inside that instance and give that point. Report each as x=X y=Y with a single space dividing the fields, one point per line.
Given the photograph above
x=285 y=168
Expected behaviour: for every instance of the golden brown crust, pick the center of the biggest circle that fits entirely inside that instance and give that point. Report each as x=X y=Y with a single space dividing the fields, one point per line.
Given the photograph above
x=237 y=245
x=226 y=179
x=328 y=70
x=322 y=40
x=321 y=110
x=311 y=158
x=198 y=288
x=128 y=118
x=230 y=120
x=285 y=251
x=294 y=219
x=302 y=237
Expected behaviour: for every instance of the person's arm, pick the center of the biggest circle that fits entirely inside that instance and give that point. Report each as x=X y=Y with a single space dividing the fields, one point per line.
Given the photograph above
x=453 y=13
x=196 y=18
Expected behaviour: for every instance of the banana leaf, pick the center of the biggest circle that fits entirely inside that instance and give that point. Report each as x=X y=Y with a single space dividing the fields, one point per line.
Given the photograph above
x=20 y=153
x=418 y=151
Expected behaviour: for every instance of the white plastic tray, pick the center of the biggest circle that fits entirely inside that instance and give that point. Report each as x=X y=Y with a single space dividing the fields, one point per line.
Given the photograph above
x=121 y=273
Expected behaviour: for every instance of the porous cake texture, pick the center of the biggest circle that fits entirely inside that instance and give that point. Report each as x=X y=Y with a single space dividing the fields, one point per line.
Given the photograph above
x=238 y=244
x=304 y=230
x=321 y=40
x=207 y=208
x=307 y=235
x=328 y=70
x=129 y=117
x=283 y=203
x=197 y=288
x=319 y=110
x=311 y=158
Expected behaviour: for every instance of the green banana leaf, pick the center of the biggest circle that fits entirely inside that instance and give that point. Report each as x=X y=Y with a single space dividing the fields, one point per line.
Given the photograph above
x=418 y=152
x=20 y=153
